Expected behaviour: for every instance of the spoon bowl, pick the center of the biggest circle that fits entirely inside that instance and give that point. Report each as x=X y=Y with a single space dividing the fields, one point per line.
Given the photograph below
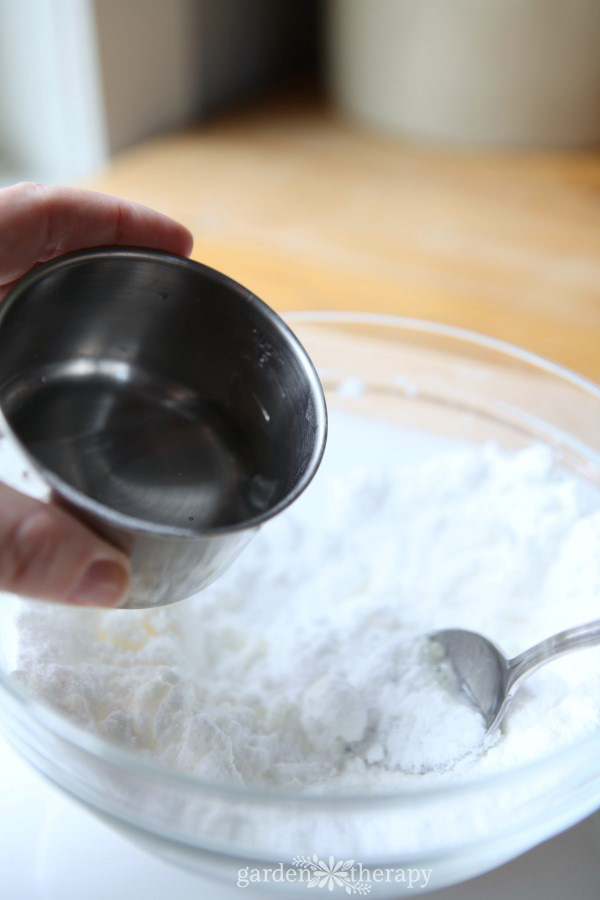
x=490 y=679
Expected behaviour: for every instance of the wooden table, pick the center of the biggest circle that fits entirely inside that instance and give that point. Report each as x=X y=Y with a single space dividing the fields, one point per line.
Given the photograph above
x=313 y=212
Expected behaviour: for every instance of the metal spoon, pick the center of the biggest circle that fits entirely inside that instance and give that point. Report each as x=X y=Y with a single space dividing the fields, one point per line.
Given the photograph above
x=489 y=679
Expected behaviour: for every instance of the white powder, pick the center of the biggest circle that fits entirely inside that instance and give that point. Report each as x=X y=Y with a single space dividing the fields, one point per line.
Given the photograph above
x=306 y=664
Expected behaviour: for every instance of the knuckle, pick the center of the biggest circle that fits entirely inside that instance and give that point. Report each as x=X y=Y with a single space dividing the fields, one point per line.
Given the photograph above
x=31 y=188
x=31 y=547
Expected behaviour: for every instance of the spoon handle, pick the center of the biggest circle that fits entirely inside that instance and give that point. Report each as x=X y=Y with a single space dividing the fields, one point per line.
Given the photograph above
x=577 y=638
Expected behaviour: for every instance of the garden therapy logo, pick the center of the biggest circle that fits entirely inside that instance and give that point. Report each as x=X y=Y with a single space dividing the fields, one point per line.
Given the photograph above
x=331 y=874
x=351 y=877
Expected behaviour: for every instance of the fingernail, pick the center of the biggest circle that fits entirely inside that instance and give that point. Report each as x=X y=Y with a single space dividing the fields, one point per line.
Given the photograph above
x=103 y=584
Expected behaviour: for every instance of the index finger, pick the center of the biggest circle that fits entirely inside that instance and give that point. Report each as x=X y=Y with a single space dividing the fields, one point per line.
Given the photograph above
x=38 y=223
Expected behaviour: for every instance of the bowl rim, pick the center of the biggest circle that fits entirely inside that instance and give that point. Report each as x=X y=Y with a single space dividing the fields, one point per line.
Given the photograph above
x=127 y=760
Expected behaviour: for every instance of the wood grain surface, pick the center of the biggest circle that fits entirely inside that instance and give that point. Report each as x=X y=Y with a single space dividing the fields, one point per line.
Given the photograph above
x=313 y=212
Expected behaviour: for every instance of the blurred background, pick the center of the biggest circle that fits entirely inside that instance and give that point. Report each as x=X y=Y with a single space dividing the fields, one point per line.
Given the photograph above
x=424 y=158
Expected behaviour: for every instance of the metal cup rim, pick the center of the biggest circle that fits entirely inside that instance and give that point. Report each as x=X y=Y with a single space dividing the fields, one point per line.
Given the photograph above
x=111 y=517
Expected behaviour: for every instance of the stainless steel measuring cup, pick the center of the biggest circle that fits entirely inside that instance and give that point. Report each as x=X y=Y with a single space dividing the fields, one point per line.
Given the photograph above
x=162 y=403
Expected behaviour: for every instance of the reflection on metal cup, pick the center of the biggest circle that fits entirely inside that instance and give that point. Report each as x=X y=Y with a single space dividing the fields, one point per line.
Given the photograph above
x=163 y=403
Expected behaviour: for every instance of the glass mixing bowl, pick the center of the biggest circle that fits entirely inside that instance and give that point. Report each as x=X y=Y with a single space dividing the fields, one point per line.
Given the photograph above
x=443 y=382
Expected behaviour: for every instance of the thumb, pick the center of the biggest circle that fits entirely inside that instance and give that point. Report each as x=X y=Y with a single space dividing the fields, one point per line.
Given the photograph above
x=47 y=554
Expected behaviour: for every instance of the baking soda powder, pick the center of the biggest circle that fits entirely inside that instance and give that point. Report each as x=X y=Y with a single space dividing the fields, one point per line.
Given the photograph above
x=307 y=665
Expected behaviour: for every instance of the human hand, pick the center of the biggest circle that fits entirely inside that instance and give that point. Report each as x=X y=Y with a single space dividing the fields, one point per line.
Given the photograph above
x=44 y=552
